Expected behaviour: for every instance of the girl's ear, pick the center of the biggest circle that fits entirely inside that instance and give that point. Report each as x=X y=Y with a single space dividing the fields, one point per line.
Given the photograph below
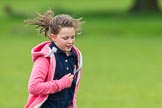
x=52 y=37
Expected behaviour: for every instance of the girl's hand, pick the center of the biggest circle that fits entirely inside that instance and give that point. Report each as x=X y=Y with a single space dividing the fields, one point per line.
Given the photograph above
x=70 y=77
x=66 y=80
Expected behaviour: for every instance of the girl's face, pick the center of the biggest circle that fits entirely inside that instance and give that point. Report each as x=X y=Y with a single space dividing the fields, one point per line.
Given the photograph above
x=64 y=39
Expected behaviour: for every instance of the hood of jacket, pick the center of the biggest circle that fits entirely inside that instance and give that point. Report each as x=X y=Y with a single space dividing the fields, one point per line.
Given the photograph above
x=42 y=49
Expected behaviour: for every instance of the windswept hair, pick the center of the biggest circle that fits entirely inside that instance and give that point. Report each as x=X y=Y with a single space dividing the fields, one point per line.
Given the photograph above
x=48 y=23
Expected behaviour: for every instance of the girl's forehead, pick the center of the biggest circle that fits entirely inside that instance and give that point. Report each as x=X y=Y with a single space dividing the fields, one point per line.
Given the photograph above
x=67 y=30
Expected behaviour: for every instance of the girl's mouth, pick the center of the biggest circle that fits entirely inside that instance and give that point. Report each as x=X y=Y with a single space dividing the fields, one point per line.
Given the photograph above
x=69 y=46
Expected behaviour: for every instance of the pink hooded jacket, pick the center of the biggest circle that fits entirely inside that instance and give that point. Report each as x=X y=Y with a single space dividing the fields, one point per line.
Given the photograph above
x=41 y=81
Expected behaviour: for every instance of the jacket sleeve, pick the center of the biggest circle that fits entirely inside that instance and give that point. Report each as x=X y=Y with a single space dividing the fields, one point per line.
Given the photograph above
x=37 y=83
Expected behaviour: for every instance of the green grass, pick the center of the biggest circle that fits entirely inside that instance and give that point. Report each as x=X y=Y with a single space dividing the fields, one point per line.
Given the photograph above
x=122 y=55
x=127 y=75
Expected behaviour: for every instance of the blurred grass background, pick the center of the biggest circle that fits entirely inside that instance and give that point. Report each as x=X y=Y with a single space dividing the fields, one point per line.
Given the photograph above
x=122 y=52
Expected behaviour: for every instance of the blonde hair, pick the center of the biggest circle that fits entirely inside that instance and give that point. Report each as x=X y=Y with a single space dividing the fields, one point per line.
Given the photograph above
x=48 y=23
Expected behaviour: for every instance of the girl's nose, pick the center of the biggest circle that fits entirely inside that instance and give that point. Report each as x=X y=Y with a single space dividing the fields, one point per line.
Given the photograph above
x=70 y=41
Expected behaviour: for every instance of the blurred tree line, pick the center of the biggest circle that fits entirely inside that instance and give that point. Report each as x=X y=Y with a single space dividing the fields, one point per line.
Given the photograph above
x=145 y=6
x=138 y=7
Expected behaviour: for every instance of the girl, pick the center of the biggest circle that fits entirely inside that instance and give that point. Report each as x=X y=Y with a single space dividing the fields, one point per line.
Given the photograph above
x=57 y=64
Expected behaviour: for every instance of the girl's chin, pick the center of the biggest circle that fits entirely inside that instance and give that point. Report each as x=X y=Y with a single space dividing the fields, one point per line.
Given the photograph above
x=68 y=48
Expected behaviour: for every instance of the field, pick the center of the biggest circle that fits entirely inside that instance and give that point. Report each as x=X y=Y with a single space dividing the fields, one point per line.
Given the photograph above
x=122 y=54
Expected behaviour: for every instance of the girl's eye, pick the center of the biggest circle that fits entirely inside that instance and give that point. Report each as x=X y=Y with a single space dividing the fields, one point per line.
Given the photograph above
x=65 y=38
x=73 y=37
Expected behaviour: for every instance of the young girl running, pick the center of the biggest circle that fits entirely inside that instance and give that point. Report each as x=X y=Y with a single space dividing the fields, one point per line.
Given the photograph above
x=57 y=64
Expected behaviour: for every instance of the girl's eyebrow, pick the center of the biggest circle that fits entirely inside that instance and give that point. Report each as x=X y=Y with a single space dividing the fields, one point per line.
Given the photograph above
x=68 y=35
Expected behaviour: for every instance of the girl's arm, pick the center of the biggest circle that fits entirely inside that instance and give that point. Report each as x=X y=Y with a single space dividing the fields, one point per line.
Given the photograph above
x=37 y=82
